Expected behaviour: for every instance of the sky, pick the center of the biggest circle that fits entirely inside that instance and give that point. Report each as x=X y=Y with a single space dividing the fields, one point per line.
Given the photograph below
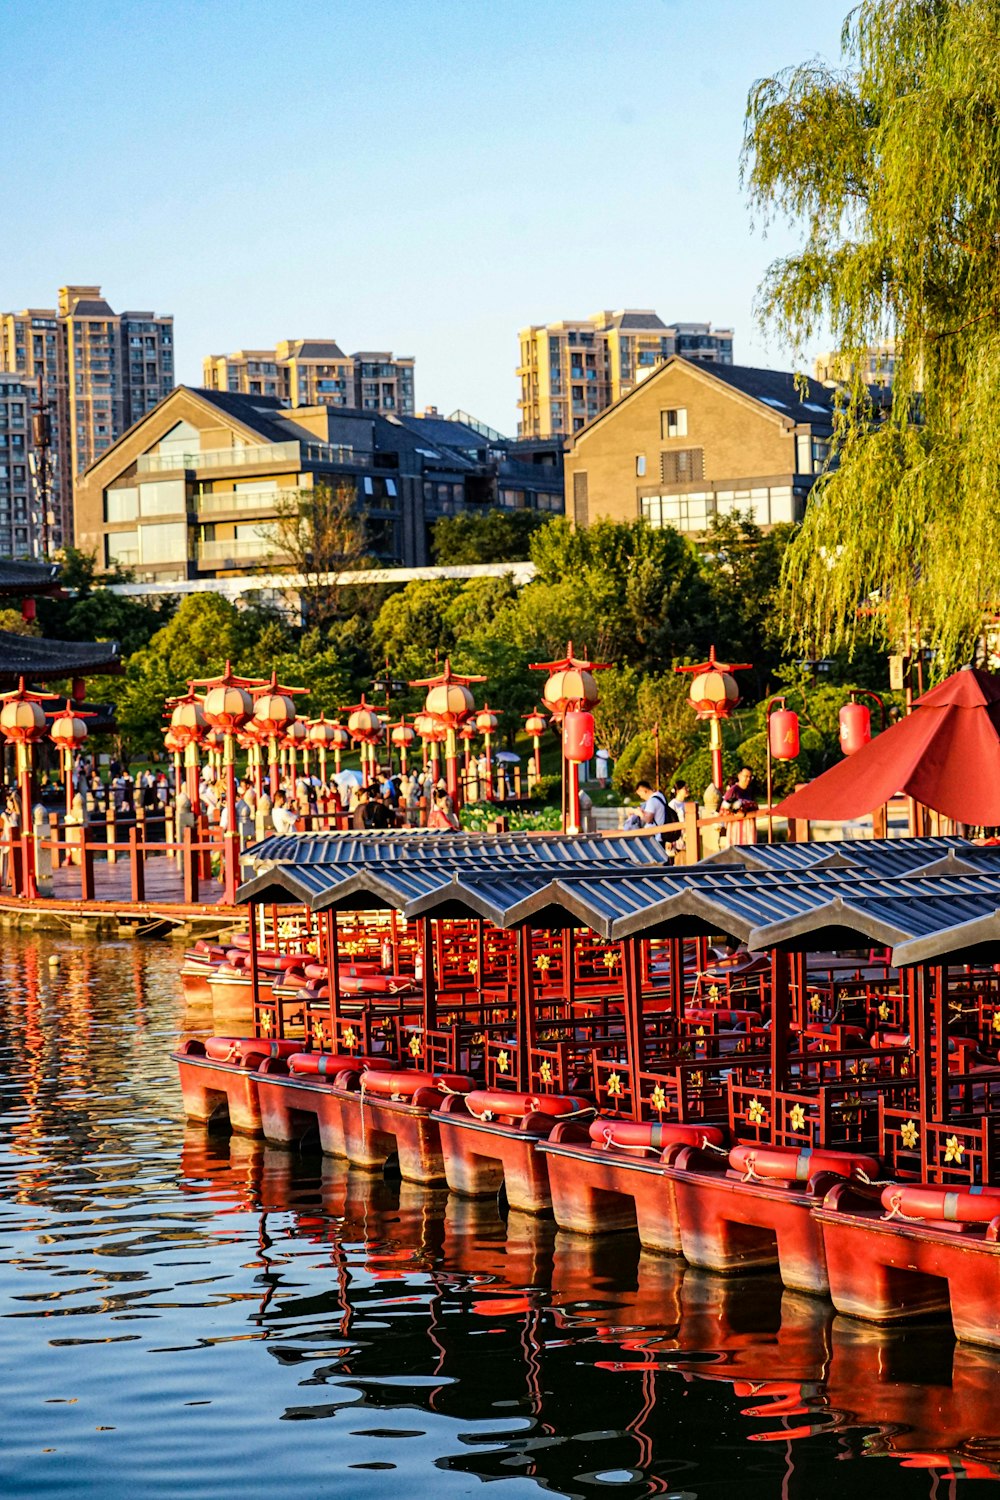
x=426 y=178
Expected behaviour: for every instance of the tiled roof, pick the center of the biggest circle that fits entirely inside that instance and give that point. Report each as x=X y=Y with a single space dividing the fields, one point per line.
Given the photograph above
x=28 y=577
x=799 y=398
x=46 y=661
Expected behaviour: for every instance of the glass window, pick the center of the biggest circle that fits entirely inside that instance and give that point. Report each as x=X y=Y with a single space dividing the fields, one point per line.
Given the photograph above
x=164 y=544
x=120 y=504
x=640 y=465
x=674 y=422
x=163 y=497
x=182 y=440
x=122 y=547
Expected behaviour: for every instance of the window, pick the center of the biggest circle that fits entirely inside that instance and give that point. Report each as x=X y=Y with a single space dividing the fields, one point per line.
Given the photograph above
x=122 y=547
x=120 y=504
x=682 y=465
x=163 y=497
x=581 y=507
x=640 y=466
x=164 y=544
x=674 y=422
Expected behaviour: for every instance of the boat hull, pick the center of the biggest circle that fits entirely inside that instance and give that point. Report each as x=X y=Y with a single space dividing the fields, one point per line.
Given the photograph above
x=482 y=1156
x=216 y=1091
x=731 y=1226
x=887 y=1270
x=596 y=1193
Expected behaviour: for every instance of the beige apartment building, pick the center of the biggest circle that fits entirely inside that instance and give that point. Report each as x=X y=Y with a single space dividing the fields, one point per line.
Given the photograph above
x=570 y=372
x=697 y=440
x=17 y=532
x=316 y=372
x=99 y=371
x=831 y=368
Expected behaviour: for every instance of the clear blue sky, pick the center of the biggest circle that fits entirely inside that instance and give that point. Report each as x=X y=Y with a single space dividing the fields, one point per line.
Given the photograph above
x=425 y=178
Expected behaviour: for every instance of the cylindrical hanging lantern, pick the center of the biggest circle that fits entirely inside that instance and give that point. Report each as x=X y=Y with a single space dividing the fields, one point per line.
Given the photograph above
x=855 y=727
x=578 y=735
x=783 y=734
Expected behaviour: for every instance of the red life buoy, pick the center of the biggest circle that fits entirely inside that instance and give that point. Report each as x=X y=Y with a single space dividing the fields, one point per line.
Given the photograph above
x=375 y=984
x=233 y=1049
x=704 y=1014
x=329 y=1064
x=403 y=1085
x=652 y=1133
x=492 y=1104
x=789 y=1164
x=967 y=1205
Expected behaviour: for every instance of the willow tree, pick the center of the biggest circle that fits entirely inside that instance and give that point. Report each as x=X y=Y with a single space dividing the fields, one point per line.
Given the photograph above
x=890 y=166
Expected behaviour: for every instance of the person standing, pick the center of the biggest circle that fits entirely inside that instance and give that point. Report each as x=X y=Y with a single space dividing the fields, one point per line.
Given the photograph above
x=442 y=817
x=740 y=803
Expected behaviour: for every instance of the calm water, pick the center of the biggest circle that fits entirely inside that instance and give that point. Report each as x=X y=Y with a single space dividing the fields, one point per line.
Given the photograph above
x=185 y=1315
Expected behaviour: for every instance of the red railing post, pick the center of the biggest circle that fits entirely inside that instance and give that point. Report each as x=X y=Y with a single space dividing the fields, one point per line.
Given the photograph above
x=86 y=865
x=189 y=859
x=137 y=866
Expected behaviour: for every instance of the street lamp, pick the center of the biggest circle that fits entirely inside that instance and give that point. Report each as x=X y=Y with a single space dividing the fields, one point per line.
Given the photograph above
x=68 y=733
x=22 y=721
x=365 y=728
x=403 y=735
x=486 y=723
x=570 y=692
x=228 y=707
x=188 y=726
x=536 y=724
x=449 y=703
x=713 y=695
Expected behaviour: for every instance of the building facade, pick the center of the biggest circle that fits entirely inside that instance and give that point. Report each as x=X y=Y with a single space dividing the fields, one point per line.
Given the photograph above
x=697 y=440
x=98 y=371
x=832 y=368
x=16 y=529
x=570 y=372
x=316 y=372
x=204 y=484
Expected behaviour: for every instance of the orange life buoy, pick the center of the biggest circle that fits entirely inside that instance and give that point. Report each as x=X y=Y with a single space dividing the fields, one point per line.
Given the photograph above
x=375 y=984
x=798 y=1164
x=967 y=1205
x=232 y=1049
x=404 y=1084
x=489 y=1104
x=652 y=1133
x=329 y=1064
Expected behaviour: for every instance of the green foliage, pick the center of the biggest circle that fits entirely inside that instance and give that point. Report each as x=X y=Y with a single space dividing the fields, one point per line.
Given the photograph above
x=547 y=789
x=14 y=623
x=494 y=536
x=617 y=716
x=890 y=166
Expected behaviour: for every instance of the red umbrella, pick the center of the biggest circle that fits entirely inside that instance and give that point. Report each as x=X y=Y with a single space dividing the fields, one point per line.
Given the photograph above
x=946 y=754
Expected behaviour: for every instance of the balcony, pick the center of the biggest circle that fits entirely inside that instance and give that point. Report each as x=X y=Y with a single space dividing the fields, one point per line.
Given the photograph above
x=231 y=552
x=256 y=455
x=253 y=500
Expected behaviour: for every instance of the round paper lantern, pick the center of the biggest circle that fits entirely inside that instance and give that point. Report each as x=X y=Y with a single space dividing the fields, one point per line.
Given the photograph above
x=855 y=727
x=783 y=734
x=578 y=735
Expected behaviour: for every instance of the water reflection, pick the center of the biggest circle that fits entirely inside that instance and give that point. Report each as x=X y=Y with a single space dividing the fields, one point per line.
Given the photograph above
x=195 y=1314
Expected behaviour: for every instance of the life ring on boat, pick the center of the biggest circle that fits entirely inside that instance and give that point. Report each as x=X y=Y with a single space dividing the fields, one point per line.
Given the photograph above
x=376 y=984
x=492 y=1104
x=234 y=1049
x=403 y=1085
x=702 y=1014
x=968 y=1205
x=634 y=1135
x=788 y=1164
x=315 y=971
x=329 y=1064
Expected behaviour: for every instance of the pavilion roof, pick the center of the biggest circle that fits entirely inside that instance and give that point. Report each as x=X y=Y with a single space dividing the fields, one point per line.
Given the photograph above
x=39 y=660
x=924 y=898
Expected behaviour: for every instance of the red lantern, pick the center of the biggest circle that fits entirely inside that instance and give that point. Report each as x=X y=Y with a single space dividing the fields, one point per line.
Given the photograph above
x=855 y=727
x=79 y=689
x=578 y=735
x=783 y=734
x=28 y=610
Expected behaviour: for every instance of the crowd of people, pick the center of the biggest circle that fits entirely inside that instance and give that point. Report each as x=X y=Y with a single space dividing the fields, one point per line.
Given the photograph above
x=736 y=805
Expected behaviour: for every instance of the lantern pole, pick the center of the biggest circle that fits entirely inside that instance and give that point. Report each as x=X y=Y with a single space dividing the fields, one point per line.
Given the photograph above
x=448 y=704
x=228 y=707
x=570 y=689
x=713 y=696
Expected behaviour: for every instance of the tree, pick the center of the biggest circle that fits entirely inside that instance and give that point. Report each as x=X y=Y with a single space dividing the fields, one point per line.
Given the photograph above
x=891 y=165
x=321 y=533
x=494 y=536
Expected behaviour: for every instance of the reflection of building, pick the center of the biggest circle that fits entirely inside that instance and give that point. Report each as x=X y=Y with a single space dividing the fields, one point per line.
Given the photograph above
x=199 y=487
x=315 y=372
x=832 y=368
x=694 y=441
x=572 y=371
x=100 y=371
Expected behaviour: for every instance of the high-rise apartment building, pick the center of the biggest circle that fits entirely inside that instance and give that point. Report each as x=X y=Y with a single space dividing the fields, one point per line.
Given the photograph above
x=100 y=371
x=833 y=368
x=572 y=371
x=316 y=372
x=15 y=481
